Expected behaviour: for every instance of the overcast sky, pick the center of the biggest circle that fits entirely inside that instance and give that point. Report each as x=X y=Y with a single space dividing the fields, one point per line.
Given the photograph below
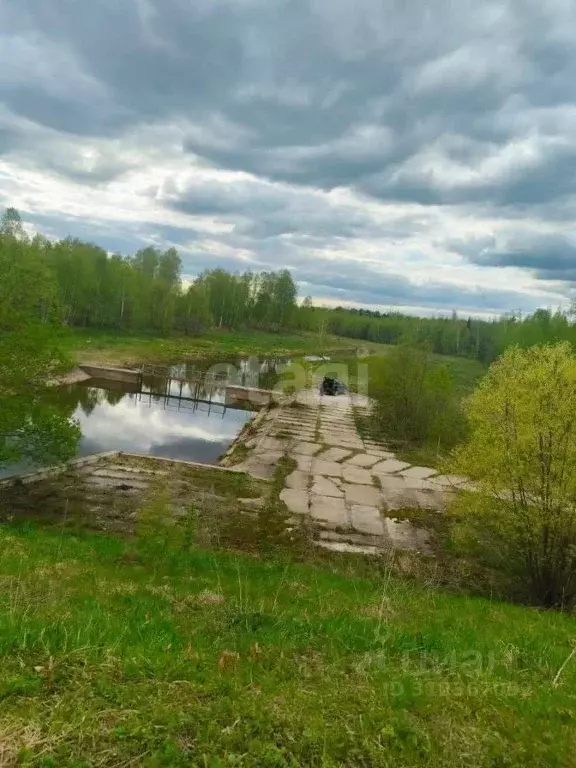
x=392 y=153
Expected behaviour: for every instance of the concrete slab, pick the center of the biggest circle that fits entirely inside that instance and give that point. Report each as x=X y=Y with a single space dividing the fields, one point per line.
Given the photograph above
x=344 y=432
x=304 y=462
x=306 y=448
x=356 y=475
x=269 y=444
x=257 y=469
x=365 y=495
x=433 y=500
x=303 y=433
x=324 y=486
x=334 y=454
x=405 y=500
x=418 y=473
x=289 y=427
x=340 y=417
x=362 y=460
x=346 y=548
x=389 y=466
x=295 y=500
x=366 y=519
x=341 y=441
x=266 y=457
x=328 y=468
x=397 y=493
x=417 y=485
x=298 y=480
x=329 y=510
x=403 y=535
x=392 y=483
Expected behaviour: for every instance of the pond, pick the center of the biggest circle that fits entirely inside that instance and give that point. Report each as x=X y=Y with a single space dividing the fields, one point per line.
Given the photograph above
x=179 y=411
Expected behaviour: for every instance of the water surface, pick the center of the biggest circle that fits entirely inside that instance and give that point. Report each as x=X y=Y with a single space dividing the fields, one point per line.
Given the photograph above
x=177 y=413
x=114 y=416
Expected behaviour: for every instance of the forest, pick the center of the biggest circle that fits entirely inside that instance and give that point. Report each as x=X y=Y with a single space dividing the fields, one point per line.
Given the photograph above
x=78 y=284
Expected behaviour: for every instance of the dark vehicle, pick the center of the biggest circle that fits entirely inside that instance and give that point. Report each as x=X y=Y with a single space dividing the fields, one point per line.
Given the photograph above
x=332 y=386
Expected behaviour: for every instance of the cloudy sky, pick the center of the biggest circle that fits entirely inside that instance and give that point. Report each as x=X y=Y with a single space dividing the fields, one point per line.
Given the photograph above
x=392 y=153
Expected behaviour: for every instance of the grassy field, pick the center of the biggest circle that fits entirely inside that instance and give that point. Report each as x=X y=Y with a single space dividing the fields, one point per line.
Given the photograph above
x=125 y=349
x=124 y=653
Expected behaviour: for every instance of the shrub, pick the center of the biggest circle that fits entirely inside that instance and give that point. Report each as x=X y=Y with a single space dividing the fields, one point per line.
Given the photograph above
x=414 y=398
x=521 y=455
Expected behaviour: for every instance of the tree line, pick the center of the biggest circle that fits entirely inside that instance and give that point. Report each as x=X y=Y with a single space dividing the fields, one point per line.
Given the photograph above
x=483 y=340
x=81 y=285
x=84 y=286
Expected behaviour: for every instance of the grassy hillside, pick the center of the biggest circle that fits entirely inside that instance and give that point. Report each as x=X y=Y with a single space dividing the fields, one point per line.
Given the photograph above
x=121 y=653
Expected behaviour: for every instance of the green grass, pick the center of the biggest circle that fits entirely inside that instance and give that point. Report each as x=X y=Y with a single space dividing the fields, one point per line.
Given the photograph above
x=465 y=372
x=116 y=654
x=127 y=349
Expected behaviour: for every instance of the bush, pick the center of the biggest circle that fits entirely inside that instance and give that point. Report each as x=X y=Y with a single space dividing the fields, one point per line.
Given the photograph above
x=414 y=398
x=521 y=455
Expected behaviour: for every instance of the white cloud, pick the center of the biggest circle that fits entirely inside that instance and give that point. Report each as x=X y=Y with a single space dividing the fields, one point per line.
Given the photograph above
x=355 y=143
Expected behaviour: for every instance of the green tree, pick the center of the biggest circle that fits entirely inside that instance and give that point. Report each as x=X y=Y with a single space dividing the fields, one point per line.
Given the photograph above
x=11 y=225
x=30 y=429
x=193 y=309
x=521 y=456
x=414 y=398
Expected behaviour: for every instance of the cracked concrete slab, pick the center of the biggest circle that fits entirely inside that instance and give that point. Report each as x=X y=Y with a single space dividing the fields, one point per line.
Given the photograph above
x=346 y=548
x=341 y=442
x=328 y=468
x=334 y=454
x=418 y=473
x=304 y=462
x=324 y=486
x=306 y=448
x=356 y=475
x=298 y=480
x=389 y=466
x=295 y=500
x=257 y=469
x=266 y=457
x=329 y=510
x=269 y=444
x=366 y=495
x=363 y=460
x=403 y=535
x=366 y=519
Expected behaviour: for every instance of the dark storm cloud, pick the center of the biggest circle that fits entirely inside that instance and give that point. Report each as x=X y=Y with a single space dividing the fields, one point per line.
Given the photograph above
x=262 y=210
x=464 y=106
x=549 y=257
x=312 y=92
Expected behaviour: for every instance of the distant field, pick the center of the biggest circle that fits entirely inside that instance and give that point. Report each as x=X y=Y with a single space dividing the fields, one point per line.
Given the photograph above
x=127 y=349
x=121 y=653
